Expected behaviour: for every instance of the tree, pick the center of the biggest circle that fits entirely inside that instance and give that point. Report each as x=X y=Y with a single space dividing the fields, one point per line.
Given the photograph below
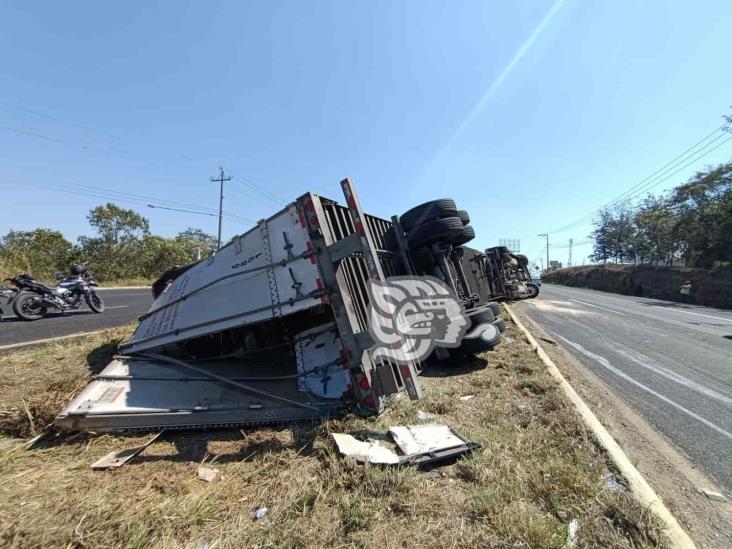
x=654 y=221
x=111 y=255
x=614 y=233
x=196 y=238
x=157 y=254
x=703 y=212
x=601 y=236
x=39 y=252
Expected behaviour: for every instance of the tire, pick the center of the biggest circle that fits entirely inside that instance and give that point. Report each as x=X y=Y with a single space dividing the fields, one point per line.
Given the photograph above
x=523 y=260
x=438 y=229
x=466 y=235
x=94 y=301
x=480 y=316
x=489 y=338
x=28 y=306
x=500 y=324
x=496 y=308
x=464 y=216
x=429 y=211
x=533 y=290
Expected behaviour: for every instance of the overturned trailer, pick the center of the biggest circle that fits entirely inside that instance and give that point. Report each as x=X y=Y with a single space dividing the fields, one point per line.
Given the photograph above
x=275 y=325
x=507 y=275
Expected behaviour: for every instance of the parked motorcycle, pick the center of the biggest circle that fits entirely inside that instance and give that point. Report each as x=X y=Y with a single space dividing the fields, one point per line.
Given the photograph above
x=33 y=299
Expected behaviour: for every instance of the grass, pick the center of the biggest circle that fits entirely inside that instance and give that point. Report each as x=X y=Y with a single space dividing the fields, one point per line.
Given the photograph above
x=142 y=282
x=536 y=470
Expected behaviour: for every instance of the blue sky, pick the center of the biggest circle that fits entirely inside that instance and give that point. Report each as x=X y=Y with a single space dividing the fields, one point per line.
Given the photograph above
x=529 y=114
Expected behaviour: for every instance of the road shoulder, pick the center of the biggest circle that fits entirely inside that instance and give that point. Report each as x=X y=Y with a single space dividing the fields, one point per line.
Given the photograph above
x=672 y=476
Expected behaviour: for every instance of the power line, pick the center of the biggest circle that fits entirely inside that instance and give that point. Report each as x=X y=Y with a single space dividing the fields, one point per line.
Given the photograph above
x=257 y=188
x=178 y=210
x=652 y=180
x=575 y=244
x=104 y=196
x=49 y=117
x=45 y=137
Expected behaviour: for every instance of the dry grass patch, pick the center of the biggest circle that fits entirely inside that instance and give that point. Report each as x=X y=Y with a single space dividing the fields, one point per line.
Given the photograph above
x=537 y=470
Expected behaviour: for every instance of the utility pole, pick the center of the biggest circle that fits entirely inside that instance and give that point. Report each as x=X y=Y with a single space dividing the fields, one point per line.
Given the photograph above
x=571 y=241
x=221 y=180
x=546 y=235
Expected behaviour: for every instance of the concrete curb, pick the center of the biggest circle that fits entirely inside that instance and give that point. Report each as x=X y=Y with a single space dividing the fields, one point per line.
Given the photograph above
x=638 y=485
x=35 y=342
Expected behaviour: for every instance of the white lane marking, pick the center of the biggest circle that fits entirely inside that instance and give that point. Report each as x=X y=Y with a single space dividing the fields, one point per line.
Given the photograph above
x=729 y=320
x=597 y=306
x=606 y=363
x=646 y=362
x=117 y=307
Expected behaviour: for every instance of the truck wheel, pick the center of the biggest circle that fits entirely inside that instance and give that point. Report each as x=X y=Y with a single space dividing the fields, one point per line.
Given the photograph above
x=466 y=235
x=533 y=290
x=436 y=209
x=496 y=308
x=489 y=337
x=480 y=316
x=28 y=306
x=500 y=324
x=437 y=229
x=464 y=216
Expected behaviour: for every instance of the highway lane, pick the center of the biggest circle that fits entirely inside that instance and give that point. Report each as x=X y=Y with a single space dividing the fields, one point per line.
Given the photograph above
x=122 y=306
x=671 y=362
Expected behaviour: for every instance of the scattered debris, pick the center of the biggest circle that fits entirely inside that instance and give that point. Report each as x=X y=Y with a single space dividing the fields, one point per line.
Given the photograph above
x=260 y=513
x=612 y=484
x=209 y=474
x=120 y=457
x=425 y=415
x=418 y=444
x=714 y=496
x=467 y=397
x=371 y=451
x=572 y=528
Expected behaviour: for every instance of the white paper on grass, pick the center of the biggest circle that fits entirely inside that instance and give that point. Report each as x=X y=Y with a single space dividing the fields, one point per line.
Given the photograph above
x=370 y=452
x=420 y=439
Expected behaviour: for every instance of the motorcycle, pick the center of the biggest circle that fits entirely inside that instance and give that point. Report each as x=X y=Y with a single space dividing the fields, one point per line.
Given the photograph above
x=33 y=299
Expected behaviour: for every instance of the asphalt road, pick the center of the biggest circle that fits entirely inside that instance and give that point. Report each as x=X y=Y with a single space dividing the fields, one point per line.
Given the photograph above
x=671 y=362
x=122 y=306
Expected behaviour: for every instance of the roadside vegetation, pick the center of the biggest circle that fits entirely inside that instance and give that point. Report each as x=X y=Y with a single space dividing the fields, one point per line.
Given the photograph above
x=121 y=249
x=692 y=224
x=537 y=470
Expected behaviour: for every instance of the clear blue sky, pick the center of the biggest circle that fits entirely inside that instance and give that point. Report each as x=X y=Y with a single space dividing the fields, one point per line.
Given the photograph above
x=529 y=114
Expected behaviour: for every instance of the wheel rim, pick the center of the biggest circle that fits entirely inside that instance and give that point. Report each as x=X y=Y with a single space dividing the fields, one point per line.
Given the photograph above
x=28 y=308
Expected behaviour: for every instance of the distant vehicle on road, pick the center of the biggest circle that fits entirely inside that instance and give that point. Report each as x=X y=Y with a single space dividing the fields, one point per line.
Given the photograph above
x=536 y=276
x=32 y=299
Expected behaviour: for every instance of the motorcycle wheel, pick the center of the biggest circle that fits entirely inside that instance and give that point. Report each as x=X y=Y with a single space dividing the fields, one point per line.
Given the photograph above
x=95 y=302
x=28 y=306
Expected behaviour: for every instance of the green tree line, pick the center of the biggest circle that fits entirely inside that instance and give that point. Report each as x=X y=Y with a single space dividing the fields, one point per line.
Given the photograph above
x=122 y=248
x=690 y=224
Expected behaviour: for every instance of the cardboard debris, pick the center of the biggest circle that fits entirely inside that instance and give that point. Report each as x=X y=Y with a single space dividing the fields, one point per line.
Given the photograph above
x=209 y=474
x=367 y=452
x=420 y=444
x=421 y=439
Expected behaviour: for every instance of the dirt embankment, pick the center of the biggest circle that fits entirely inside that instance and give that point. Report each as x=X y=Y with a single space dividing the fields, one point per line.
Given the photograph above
x=711 y=287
